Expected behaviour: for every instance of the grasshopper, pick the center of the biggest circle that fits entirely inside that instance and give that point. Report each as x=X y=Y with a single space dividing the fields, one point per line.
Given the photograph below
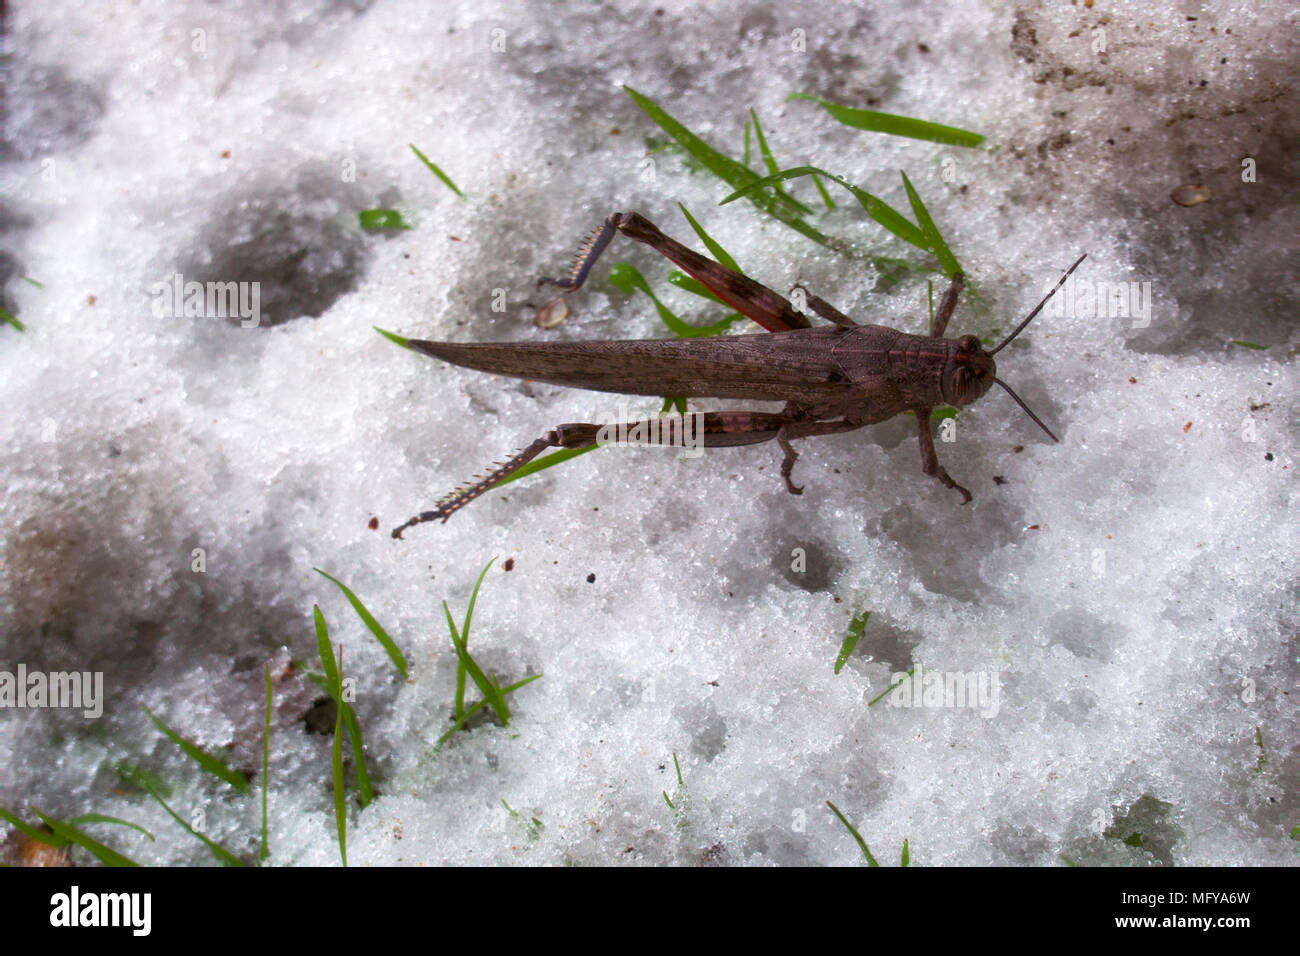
x=833 y=379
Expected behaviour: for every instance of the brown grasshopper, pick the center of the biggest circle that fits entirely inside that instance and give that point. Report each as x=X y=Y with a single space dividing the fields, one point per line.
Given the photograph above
x=832 y=379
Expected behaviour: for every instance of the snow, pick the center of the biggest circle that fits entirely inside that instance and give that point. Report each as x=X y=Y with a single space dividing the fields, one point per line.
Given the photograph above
x=1127 y=591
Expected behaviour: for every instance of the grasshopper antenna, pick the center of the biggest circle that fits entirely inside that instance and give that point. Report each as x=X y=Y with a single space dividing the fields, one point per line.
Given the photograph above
x=1029 y=318
x=1019 y=402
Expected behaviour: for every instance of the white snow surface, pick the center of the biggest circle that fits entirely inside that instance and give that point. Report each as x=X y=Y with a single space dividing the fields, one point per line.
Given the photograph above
x=1129 y=590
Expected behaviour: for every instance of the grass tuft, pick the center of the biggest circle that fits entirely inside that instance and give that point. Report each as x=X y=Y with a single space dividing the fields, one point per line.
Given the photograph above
x=332 y=684
x=494 y=695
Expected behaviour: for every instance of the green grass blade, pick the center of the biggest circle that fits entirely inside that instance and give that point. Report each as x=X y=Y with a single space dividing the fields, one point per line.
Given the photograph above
x=389 y=645
x=629 y=279
x=382 y=219
x=715 y=248
x=71 y=834
x=31 y=281
x=906 y=858
x=365 y=792
x=894 y=124
x=546 y=461
x=473 y=599
x=30 y=831
x=876 y=208
x=224 y=856
x=458 y=701
x=336 y=767
x=491 y=693
x=777 y=204
x=213 y=765
x=937 y=244
x=470 y=712
x=436 y=170
x=871 y=860
x=103 y=818
x=326 y=651
x=826 y=197
x=12 y=319
x=1249 y=345
x=674 y=404
x=137 y=777
x=763 y=151
x=265 y=850
x=724 y=167
x=393 y=337
x=856 y=627
x=889 y=690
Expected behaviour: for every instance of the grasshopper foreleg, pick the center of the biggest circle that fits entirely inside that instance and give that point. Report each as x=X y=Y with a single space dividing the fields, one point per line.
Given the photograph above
x=929 y=460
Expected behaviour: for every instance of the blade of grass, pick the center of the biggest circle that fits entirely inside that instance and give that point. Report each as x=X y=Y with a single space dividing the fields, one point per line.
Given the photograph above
x=856 y=627
x=71 y=834
x=937 y=244
x=31 y=281
x=30 y=831
x=333 y=685
x=213 y=765
x=776 y=204
x=12 y=319
x=491 y=693
x=336 y=767
x=265 y=851
x=102 y=818
x=871 y=860
x=224 y=856
x=905 y=858
x=874 y=207
x=475 y=708
x=464 y=636
x=715 y=248
x=721 y=165
x=436 y=170
x=889 y=690
x=137 y=777
x=392 y=337
x=546 y=461
x=382 y=219
x=389 y=645
x=677 y=405
x=629 y=279
x=894 y=124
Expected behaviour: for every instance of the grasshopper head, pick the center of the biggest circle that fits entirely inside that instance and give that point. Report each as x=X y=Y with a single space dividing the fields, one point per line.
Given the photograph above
x=970 y=372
